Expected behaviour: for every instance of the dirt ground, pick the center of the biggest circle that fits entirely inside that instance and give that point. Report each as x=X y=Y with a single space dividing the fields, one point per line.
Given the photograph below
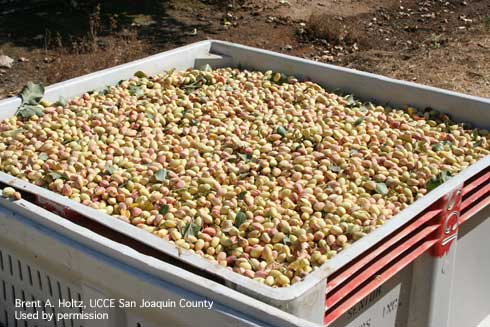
x=444 y=43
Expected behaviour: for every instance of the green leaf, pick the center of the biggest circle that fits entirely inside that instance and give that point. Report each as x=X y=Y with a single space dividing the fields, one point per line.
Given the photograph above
x=164 y=209
x=161 y=175
x=353 y=152
x=140 y=74
x=381 y=188
x=359 y=121
x=110 y=169
x=368 y=106
x=281 y=130
x=478 y=143
x=12 y=132
x=350 y=100
x=440 y=179
x=240 y=218
x=475 y=134
x=27 y=111
x=334 y=169
x=286 y=240
x=43 y=156
x=442 y=146
x=136 y=91
x=244 y=156
x=106 y=90
x=32 y=93
x=54 y=175
x=432 y=184
x=61 y=101
x=278 y=78
x=206 y=68
x=191 y=229
x=242 y=194
x=200 y=81
x=438 y=147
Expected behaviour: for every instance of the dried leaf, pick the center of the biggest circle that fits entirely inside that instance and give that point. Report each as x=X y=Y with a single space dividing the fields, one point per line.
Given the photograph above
x=6 y=61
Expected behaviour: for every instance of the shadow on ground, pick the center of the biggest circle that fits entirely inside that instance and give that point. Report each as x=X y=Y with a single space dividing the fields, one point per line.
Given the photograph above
x=47 y=23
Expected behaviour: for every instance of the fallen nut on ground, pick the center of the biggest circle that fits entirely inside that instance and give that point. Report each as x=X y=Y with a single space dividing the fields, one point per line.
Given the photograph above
x=262 y=173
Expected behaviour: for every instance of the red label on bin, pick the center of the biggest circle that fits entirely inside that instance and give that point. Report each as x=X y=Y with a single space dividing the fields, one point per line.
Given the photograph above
x=448 y=231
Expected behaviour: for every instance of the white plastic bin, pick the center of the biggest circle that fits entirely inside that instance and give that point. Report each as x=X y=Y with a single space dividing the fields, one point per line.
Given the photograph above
x=310 y=298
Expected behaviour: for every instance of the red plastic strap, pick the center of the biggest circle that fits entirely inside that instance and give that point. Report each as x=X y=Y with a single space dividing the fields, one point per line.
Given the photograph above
x=474 y=202
x=475 y=196
x=376 y=282
x=477 y=182
x=475 y=209
x=386 y=259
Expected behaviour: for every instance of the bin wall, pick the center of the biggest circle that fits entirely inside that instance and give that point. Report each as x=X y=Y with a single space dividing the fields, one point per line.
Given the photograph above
x=39 y=263
x=471 y=284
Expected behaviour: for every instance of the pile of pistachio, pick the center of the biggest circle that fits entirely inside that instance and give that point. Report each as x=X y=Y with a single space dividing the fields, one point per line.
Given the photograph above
x=262 y=173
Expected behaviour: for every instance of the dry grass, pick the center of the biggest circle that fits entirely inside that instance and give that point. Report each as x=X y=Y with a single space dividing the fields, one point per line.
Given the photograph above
x=85 y=55
x=93 y=52
x=486 y=23
x=333 y=29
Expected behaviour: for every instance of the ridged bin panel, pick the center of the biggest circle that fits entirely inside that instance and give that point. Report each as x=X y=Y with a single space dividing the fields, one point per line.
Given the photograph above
x=21 y=279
